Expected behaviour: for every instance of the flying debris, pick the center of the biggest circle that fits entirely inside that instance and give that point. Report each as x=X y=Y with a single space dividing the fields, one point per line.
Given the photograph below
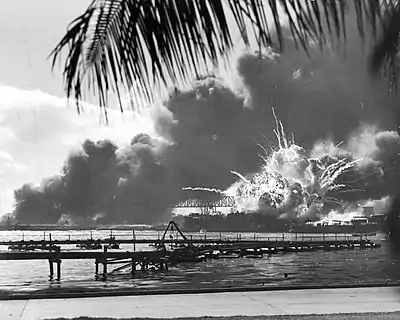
x=205 y=189
x=240 y=176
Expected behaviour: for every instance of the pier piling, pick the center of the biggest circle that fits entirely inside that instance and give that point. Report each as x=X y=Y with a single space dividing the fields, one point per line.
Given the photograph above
x=51 y=275
x=58 y=270
x=105 y=263
x=134 y=238
x=133 y=270
x=96 y=267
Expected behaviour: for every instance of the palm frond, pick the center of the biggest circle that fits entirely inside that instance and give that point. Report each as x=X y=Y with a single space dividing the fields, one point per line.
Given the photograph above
x=138 y=44
x=133 y=43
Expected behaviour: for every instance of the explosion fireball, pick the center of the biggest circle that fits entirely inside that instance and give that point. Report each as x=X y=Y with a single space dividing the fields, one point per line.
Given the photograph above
x=291 y=183
x=294 y=185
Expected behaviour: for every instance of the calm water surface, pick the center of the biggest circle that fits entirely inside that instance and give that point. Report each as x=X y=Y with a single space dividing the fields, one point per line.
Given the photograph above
x=347 y=266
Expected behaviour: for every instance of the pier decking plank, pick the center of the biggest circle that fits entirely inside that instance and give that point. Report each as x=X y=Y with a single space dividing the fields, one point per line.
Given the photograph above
x=173 y=241
x=79 y=255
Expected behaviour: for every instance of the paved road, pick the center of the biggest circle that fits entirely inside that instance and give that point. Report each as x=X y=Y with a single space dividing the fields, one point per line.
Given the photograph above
x=217 y=304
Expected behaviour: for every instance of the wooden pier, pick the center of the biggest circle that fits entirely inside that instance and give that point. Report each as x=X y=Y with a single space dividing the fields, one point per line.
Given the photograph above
x=168 y=252
x=144 y=260
x=161 y=259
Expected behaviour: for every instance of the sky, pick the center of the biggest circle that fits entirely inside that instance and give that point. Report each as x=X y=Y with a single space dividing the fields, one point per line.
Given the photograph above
x=34 y=116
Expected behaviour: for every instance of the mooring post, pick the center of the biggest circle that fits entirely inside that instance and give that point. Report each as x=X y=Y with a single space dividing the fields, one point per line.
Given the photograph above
x=23 y=236
x=220 y=236
x=335 y=236
x=91 y=235
x=323 y=237
x=44 y=235
x=283 y=237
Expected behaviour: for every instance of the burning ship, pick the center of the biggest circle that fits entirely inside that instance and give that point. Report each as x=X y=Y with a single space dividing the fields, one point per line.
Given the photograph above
x=364 y=224
x=234 y=222
x=252 y=222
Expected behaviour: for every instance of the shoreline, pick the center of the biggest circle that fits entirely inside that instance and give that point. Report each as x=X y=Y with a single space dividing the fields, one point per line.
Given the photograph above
x=50 y=293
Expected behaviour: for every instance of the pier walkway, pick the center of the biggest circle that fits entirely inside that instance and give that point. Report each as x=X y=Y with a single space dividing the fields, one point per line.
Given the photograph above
x=280 y=302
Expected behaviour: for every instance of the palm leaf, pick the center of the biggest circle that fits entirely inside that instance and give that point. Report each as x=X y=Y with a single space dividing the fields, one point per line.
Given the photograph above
x=135 y=45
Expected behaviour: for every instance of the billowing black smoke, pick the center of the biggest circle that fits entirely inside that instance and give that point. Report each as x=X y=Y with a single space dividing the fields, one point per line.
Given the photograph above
x=212 y=133
x=207 y=132
x=40 y=204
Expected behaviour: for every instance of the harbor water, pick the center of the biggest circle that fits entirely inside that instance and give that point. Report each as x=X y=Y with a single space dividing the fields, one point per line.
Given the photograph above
x=356 y=266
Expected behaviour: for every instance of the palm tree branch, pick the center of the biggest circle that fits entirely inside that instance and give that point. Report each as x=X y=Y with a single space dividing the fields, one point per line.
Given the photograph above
x=136 y=44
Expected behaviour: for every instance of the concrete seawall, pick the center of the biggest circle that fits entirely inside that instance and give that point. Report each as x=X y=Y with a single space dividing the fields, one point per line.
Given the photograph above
x=152 y=292
x=229 y=304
